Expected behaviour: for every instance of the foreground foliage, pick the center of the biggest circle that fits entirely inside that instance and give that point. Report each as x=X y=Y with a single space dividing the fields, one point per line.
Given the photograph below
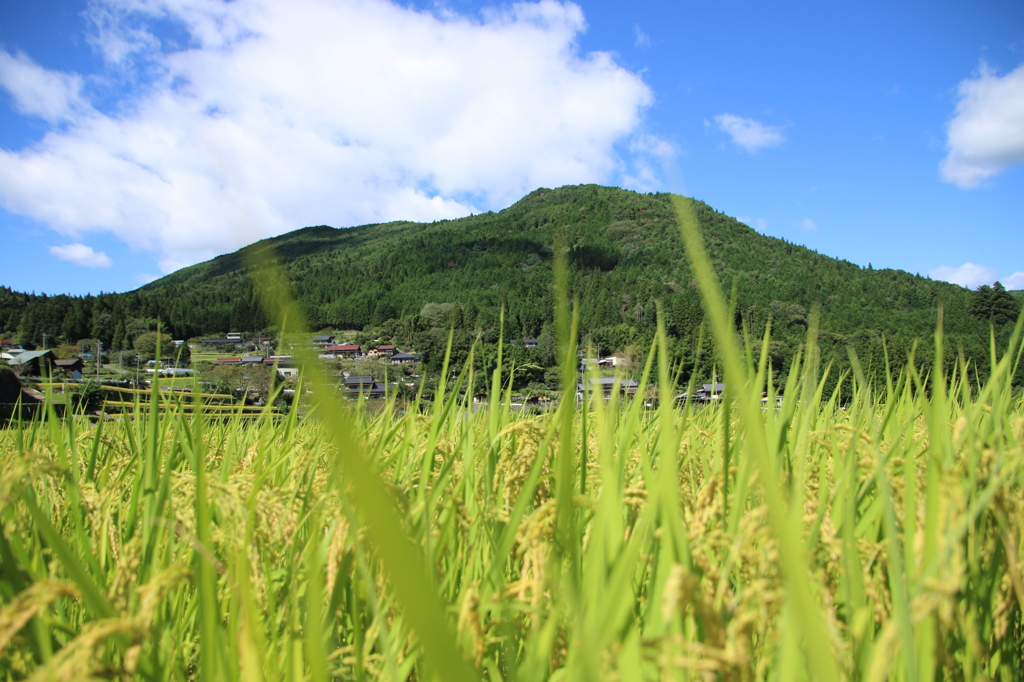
x=174 y=544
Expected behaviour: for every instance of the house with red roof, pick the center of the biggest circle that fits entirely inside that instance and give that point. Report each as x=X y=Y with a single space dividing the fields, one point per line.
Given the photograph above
x=343 y=349
x=382 y=351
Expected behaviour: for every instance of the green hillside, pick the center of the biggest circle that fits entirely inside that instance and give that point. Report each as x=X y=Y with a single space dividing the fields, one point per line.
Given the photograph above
x=412 y=281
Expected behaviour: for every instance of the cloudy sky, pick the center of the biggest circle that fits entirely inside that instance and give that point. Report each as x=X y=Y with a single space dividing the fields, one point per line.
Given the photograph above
x=140 y=136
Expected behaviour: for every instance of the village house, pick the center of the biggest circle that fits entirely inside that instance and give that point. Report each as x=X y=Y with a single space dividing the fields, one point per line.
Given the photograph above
x=707 y=393
x=405 y=358
x=218 y=342
x=323 y=340
x=33 y=363
x=605 y=386
x=343 y=350
x=69 y=366
x=363 y=386
x=358 y=382
x=529 y=343
x=285 y=364
x=382 y=351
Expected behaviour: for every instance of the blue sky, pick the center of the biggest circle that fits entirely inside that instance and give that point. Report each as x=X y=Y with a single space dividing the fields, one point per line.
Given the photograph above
x=139 y=136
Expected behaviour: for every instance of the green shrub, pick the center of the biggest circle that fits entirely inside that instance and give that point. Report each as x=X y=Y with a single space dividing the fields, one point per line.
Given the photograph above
x=88 y=396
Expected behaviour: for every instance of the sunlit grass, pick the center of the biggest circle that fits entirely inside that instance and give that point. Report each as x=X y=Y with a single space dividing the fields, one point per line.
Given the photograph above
x=876 y=539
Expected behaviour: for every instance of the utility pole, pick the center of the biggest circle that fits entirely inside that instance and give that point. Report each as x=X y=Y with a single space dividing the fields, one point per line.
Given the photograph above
x=99 y=357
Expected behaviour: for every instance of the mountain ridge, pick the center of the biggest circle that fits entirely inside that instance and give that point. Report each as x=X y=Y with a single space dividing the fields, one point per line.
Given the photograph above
x=626 y=258
x=639 y=232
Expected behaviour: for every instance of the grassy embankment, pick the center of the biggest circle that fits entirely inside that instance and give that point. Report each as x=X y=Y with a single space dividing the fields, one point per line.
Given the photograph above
x=880 y=539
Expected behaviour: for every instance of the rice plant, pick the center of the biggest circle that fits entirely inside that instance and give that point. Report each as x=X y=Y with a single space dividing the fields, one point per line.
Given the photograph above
x=874 y=539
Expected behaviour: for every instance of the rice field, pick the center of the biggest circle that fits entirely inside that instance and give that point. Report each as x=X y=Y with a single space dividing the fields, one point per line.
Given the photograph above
x=870 y=540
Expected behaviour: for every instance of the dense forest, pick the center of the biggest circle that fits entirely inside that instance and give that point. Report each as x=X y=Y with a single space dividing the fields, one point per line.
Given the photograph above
x=412 y=282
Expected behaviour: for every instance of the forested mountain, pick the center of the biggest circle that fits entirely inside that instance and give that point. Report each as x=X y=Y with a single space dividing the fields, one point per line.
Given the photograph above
x=408 y=281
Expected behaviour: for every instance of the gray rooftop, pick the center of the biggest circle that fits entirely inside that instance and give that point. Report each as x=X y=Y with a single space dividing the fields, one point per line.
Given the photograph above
x=27 y=356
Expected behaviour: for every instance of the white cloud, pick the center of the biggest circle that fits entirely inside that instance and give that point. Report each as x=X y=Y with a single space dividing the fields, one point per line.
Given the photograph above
x=973 y=276
x=759 y=224
x=51 y=95
x=986 y=135
x=642 y=39
x=83 y=255
x=654 y=146
x=967 y=275
x=119 y=31
x=648 y=152
x=280 y=115
x=748 y=133
x=807 y=225
x=1014 y=281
